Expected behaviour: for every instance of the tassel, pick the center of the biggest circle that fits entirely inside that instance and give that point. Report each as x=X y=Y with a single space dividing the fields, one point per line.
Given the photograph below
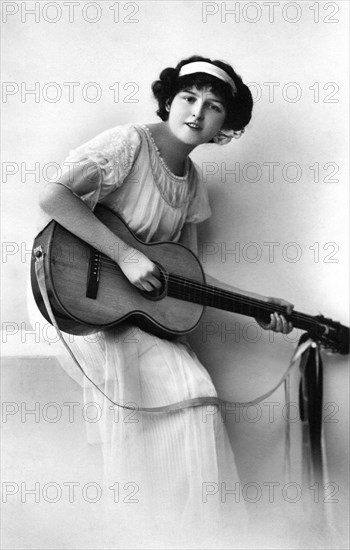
x=310 y=404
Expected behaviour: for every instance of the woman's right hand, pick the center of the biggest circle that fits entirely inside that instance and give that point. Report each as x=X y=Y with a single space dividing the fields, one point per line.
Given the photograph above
x=140 y=271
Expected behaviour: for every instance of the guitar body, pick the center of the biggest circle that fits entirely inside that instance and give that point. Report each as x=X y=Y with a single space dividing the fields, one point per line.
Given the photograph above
x=89 y=292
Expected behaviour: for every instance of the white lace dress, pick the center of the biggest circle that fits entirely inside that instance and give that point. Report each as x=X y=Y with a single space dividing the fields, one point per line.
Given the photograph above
x=179 y=464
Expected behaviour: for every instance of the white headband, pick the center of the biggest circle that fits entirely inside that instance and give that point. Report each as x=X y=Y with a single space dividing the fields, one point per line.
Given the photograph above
x=209 y=68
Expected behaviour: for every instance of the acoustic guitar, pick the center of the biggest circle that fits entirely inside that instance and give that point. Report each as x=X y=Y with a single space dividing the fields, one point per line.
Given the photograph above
x=88 y=291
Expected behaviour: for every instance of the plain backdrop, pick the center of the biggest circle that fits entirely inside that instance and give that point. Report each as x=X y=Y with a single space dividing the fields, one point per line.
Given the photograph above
x=279 y=195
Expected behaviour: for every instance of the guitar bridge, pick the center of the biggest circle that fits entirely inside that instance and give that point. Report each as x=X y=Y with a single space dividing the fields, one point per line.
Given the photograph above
x=94 y=274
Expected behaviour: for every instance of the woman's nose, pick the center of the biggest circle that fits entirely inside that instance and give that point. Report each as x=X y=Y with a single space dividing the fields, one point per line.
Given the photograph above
x=198 y=110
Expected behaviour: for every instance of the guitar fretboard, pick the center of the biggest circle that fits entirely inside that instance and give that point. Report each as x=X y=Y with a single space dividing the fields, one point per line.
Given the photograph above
x=208 y=295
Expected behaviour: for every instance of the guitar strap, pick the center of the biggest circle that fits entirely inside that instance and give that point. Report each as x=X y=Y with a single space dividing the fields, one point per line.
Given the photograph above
x=180 y=405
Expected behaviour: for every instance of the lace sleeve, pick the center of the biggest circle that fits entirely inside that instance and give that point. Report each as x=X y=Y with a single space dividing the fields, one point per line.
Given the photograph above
x=199 y=207
x=112 y=153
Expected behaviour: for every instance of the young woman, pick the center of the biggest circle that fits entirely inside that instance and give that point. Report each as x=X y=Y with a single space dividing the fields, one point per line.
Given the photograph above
x=144 y=173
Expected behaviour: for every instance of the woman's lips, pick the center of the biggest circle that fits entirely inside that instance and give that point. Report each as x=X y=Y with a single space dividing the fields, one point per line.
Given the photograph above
x=193 y=126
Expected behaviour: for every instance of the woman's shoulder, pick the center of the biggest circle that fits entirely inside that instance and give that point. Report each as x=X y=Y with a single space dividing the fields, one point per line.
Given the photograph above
x=117 y=142
x=122 y=134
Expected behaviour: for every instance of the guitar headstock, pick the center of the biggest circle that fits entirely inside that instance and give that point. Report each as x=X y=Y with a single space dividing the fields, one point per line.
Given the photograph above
x=335 y=337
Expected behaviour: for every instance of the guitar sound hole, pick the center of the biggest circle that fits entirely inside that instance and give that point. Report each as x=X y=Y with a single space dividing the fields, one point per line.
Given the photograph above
x=157 y=293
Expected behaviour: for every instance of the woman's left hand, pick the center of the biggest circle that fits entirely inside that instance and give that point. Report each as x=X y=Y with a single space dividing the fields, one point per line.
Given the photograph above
x=278 y=323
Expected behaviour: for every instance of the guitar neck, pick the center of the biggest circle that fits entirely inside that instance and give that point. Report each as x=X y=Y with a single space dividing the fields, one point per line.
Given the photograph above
x=208 y=295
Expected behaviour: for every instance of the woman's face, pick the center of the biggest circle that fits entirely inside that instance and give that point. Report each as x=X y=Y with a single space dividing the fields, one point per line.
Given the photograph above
x=196 y=115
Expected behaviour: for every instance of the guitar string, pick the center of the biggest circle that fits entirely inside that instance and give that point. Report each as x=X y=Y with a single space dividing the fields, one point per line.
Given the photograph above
x=215 y=291
x=187 y=283
x=202 y=287
x=220 y=293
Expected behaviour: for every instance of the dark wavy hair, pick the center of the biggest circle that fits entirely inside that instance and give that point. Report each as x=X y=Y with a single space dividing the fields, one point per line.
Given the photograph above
x=238 y=107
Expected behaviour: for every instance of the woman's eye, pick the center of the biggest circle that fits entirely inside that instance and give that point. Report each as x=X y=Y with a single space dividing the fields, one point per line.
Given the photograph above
x=215 y=108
